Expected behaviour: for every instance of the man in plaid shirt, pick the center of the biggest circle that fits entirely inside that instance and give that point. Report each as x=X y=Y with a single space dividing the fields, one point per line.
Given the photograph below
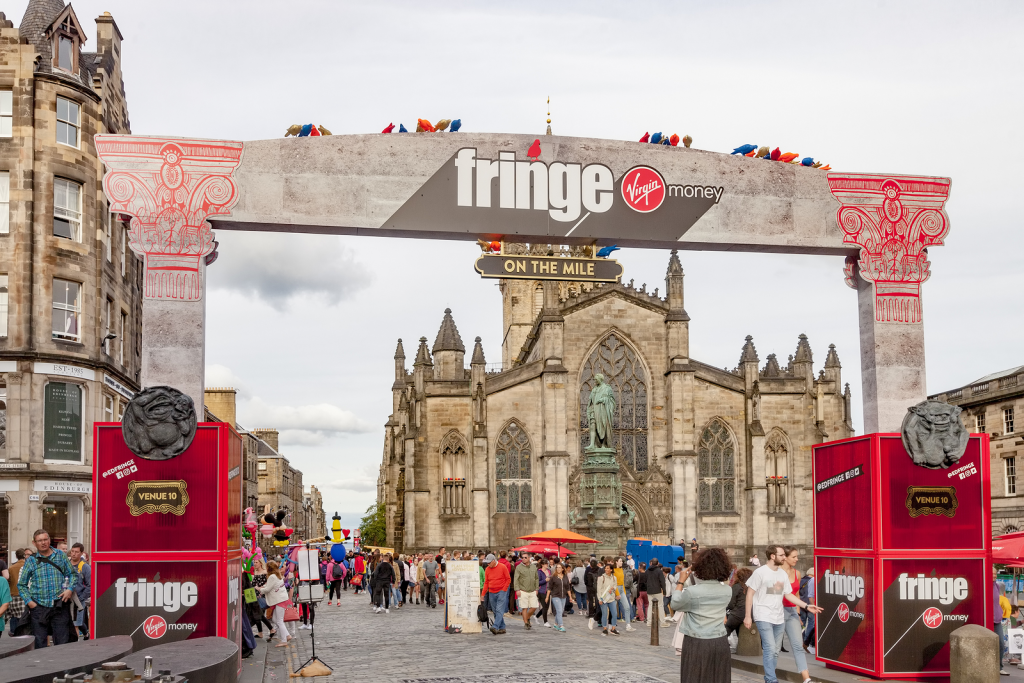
x=46 y=584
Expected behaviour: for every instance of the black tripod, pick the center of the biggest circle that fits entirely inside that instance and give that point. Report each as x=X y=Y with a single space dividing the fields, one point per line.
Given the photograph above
x=312 y=623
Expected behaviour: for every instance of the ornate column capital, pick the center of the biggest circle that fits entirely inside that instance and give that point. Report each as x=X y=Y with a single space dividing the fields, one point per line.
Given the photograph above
x=170 y=186
x=893 y=219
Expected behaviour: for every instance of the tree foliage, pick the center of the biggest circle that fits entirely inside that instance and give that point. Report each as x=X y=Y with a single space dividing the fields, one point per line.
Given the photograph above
x=371 y=529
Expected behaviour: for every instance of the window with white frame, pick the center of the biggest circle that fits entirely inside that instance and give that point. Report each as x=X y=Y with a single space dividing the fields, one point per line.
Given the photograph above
x=68 y=122
x=67 y=310
x=108 y=408
x=1010 y=469
x=124 y=338
x=980 y=421
x=108 y=237
x=67 y=209
x=3 y=305
x=124 y=252
x=5 y=202
x=6 y=114
x=65 y=53
x=1007 y=420
x=262 y=466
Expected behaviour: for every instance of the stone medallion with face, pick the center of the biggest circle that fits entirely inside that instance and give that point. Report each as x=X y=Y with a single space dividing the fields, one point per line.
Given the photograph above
x=934 y=435
x=159 y=423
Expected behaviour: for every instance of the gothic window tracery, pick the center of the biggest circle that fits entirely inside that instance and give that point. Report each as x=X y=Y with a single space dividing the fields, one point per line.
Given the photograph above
x=776 y=453
x=454 y=465
x=624 y=371
x=716 y=469
x=513 y=469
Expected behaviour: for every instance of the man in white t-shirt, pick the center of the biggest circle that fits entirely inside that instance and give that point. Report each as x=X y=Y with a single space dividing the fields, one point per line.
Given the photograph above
x=766 y=589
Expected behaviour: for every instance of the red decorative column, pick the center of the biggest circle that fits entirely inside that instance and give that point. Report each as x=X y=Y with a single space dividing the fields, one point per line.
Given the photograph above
x=893 y=220
x=170 y=186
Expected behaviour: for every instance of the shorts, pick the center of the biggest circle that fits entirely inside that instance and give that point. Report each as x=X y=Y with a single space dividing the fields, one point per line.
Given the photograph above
x=528 y=600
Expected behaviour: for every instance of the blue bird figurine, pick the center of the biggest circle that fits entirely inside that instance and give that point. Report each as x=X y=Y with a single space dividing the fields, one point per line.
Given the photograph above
x=806 y=161
x=744 y=149
x=456 y=124
x=401 y=128
x=305 y=130
x=666 y=141
x=605 y=252
x=656 y=138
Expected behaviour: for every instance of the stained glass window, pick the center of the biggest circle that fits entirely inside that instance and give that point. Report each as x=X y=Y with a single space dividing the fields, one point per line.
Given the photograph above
x=716 y=469
x=513 y=456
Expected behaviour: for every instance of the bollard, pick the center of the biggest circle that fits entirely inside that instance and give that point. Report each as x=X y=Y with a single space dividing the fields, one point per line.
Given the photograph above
x=973 y=655
x=750 y=642
x=653 y=613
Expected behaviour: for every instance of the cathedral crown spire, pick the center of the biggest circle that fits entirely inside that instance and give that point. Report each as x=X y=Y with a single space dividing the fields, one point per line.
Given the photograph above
x=674 y=266
x=803 y=351
x=832 y=359
x=478 y=353
x=399 y=351
x=422 y=354
x=448 y=338
x=749 y=353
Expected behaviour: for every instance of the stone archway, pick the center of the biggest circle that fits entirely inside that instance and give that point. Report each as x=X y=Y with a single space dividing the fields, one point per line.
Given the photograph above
x=645 y=524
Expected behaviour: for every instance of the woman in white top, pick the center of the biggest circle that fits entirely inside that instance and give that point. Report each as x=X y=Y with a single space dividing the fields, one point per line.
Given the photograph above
x=277 y=597
x=607 y=588
x=410 y=576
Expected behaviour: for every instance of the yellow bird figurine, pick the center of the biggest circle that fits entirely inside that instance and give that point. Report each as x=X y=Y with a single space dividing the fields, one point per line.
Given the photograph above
x=687 y=141
x=442 y=124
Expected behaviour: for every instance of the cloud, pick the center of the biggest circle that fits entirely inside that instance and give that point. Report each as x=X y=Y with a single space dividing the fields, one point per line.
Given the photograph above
x=320 y=418
x=223 y=376
x=357 y=484
x=277 y=268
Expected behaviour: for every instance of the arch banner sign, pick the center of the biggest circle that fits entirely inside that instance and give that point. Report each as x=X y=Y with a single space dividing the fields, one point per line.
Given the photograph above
x=528 y=267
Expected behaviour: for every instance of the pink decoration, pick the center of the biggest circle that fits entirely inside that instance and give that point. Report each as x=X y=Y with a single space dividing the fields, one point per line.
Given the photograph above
x=893 y=219
x=170 y=186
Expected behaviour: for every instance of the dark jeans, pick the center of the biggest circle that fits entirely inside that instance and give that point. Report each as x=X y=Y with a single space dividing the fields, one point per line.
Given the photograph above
x=593 y=610
x=307 y=610
x=431 y=587
x=55 y=621
x=510 y=600
x=545 y=603
x=382 y=591
x=335 y=589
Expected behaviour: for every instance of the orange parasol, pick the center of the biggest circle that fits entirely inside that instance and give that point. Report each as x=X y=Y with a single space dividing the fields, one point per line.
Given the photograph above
x=545 y=549
x=558 y=537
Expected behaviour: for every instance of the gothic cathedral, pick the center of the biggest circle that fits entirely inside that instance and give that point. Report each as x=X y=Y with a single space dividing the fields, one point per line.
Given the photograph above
x=473 y=458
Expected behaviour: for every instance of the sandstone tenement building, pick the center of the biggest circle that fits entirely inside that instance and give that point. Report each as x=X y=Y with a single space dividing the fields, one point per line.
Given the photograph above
x=994 y=405
x=473 y=459
x=70 y=296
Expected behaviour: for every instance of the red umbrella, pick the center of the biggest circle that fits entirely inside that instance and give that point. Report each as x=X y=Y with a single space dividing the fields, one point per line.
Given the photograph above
x=1007 y=548
x=545 y=549
x=558 y=537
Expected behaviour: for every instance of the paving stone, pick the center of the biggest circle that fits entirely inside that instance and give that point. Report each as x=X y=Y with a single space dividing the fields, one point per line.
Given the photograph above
x=410 y=645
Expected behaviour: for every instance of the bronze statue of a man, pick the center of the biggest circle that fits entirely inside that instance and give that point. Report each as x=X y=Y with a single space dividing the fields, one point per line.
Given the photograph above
x=601 y=413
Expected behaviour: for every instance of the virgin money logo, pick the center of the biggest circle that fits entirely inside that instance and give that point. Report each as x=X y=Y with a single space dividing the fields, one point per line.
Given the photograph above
x=844 y=612
x=154 y=627
x=932 y=617
x=643 y=188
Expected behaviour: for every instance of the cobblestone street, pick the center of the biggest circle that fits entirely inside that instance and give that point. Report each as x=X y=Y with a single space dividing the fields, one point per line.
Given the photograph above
x=410 y=643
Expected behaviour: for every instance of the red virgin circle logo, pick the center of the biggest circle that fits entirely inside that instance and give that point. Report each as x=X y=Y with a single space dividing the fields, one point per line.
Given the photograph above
x=154 y=627
x=844 y=612
x=643 y=189
x=932 y=617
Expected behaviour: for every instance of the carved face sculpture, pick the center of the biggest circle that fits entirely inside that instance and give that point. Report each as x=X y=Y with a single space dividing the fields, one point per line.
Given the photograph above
x=934 y=435
x=159 y=423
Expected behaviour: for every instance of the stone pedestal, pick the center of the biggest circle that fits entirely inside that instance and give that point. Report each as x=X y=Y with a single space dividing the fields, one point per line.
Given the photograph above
x=750 y=642
x=601 y=501
x=973 y=655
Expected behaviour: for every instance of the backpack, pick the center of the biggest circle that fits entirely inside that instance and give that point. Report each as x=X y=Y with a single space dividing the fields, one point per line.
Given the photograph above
x=575 y=580
x=338 y=572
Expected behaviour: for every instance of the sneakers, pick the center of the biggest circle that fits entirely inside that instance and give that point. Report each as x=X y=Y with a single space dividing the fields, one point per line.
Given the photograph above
x=590 y=625
x=559 y=629
x=604 y=632
x=493 y=631
x=1004 y=672
x=528 y=626
x=629 y=627
x=328 y=602
x=615 y=632
x=387 y=611
x=547 y=624
x=501 y=630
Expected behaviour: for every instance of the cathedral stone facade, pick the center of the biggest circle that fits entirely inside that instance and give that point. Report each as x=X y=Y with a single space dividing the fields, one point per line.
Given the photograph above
x=475 y=458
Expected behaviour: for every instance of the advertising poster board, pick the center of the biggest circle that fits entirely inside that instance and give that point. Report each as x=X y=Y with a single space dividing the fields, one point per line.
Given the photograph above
x=463 y=595
x=170 y=532
x=846 y=628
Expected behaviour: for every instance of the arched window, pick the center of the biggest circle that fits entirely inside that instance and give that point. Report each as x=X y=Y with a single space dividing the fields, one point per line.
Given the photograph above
x=716 y=469
x=776 y=471
x=453 y=474
x=538 y=300
x=624 y=372
x=513 y=469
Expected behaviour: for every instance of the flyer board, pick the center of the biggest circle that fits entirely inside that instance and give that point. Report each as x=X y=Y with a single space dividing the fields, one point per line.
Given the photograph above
x=463 y=586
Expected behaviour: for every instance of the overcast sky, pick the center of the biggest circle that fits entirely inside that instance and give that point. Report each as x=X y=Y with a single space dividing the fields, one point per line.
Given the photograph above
x=305 y=326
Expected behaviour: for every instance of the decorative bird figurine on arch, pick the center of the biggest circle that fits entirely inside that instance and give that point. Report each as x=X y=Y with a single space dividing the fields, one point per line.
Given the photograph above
x=646 y=137
x=390 y=127
x=605 y=252
x=456 y=125
x=534 y=151
x=744 y=149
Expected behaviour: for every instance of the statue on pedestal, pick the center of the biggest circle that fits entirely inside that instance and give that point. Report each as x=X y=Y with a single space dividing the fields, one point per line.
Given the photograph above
x=600 y=414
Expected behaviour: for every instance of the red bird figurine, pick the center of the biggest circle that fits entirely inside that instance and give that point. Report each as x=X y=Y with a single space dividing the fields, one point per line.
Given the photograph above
x=674 y=140
x=534 y=151
x=776 y=153
x=646 y=137
x=390 y=128
x=427 y=126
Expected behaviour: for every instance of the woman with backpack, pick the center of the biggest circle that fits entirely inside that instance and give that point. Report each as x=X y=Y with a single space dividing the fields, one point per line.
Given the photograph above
x=335 y=575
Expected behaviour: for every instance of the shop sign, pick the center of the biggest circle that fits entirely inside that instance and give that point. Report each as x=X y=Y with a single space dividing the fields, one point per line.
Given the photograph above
x=52 y=486
x=516 y=267
x=64 y=369
x=8 y=366
x=118 y=387
x=10 y=485
x=157 y=496
x=13 y=465
x=62 y=422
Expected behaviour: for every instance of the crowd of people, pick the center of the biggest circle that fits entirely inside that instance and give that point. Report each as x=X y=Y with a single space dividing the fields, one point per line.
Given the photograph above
x=46 y=592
